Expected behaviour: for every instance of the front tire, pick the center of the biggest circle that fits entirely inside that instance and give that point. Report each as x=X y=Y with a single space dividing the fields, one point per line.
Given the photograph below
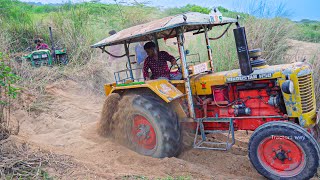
x=153 y=127
x=283 y=150
x=315 y=132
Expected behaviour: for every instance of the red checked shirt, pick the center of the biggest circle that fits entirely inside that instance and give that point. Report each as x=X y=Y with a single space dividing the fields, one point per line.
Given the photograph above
x=42 y=46
x=159 y=68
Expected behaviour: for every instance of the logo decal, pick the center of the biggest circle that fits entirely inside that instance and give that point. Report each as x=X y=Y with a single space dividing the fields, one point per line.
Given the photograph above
x=203 y=85
x=165 y=88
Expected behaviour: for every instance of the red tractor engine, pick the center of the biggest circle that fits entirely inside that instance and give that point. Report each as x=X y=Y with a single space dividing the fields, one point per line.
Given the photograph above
x=247 y=102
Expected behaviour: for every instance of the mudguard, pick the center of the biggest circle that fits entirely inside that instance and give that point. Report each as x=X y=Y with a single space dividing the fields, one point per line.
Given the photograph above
x=163 y=88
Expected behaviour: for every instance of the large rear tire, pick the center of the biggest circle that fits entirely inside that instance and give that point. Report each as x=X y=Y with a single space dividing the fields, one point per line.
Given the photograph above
x=315 y=132
x=153 y=127
x=283 y=150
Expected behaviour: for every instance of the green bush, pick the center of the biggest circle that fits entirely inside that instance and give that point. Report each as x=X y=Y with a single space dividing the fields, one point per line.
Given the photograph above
x=16 y=20
x=7 y=91
x=187 y=8
x=308 y=31
x=7 y=81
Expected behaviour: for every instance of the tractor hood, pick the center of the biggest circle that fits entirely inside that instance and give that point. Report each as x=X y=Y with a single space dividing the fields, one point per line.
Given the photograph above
x=42 y=51
x=201 y=83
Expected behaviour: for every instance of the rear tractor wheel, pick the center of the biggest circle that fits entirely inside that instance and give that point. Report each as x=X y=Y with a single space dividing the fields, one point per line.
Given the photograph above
x=315 y=132
x=283 y=150
x=153 y=127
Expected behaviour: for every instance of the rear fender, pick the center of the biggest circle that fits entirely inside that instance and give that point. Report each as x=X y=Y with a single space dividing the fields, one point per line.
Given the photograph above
x=60 y=51
x=165 y=90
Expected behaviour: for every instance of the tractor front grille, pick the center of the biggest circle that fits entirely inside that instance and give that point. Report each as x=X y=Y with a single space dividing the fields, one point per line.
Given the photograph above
x=306 y=93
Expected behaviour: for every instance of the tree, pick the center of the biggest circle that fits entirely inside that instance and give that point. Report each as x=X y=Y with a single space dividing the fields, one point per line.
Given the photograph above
x=7 y=92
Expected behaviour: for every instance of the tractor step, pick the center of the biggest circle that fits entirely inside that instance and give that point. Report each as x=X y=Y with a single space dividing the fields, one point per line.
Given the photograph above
x=204 y=143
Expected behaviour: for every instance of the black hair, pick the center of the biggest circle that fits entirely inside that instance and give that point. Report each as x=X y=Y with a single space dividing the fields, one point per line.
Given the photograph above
x=149 y=45
x=36 y=41
x=112 y=32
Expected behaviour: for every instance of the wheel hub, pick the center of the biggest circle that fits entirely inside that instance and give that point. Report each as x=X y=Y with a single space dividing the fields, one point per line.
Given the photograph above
x=144 y=131
x=281 y=155
x=143 y=134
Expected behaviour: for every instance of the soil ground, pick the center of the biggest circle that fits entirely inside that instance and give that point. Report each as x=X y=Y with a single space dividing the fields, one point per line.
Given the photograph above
x=68 y=126
x=300 y=50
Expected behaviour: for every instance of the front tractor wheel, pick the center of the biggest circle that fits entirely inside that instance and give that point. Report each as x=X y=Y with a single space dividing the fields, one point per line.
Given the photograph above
x=283 y=150
x=315 y=132
x=154 y=127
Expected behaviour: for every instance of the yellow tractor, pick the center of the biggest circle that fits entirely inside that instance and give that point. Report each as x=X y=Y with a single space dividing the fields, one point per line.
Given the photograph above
x=276 y=102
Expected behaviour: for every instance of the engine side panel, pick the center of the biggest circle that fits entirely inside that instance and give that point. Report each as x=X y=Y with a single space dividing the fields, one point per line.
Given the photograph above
x=248 y=102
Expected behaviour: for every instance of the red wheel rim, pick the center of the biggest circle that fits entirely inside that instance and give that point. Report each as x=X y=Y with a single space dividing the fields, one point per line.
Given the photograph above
x=143 y=133
x=281 y=156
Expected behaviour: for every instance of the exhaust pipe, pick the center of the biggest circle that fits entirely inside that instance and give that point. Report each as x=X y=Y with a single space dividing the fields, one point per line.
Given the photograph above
x=242 y=49
x=52 y=46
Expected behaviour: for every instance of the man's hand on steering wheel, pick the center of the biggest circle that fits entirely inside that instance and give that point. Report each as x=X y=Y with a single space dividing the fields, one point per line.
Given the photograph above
x=174 y=63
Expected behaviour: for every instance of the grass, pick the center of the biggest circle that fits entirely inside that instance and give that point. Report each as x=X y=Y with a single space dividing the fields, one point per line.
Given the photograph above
x=20 y=161
x=139 y=177
x=308 y=31
x=315 y=62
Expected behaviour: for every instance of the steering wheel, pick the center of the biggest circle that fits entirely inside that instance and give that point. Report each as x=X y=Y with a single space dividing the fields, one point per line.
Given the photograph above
x=179 y=67
x=178 y=58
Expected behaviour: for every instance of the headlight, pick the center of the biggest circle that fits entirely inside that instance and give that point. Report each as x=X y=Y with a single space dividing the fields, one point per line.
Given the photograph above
x=287 y=87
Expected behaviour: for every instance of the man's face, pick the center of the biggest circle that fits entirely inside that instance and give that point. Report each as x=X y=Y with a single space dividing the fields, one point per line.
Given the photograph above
x=38 y=43
x=151 y=52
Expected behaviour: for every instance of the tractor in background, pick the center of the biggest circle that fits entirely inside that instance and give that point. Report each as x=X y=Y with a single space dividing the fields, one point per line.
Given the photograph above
x=47 y=57
x=44 y=58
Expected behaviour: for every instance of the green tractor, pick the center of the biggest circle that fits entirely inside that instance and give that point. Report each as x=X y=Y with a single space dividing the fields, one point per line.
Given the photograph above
x=45 y=57
x=39 y=58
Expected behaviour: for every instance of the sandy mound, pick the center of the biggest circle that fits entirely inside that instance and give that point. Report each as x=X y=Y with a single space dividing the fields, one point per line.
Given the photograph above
x=110 y=107
x=300 y=50
x=66 y=122
x=68 y=125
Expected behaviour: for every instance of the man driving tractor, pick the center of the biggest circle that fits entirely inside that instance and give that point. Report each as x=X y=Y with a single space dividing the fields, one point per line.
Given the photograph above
x=40 y=44
x=157 y=62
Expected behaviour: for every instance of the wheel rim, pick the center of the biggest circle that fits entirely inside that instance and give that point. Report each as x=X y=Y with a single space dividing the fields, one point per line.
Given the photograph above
x=281 y=156
x=143 y=133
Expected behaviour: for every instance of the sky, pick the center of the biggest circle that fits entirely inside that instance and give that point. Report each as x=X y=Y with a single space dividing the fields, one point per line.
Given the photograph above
x=293 y=9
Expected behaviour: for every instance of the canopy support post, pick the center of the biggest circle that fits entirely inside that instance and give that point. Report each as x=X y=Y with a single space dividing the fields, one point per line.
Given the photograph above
x=155 y=39
x=186 y=77
x=128 y=56
x=209 y=50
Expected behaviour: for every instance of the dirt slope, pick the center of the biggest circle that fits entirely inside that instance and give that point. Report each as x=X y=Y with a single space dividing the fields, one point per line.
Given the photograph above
x=303 y=50
x=68 y=126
